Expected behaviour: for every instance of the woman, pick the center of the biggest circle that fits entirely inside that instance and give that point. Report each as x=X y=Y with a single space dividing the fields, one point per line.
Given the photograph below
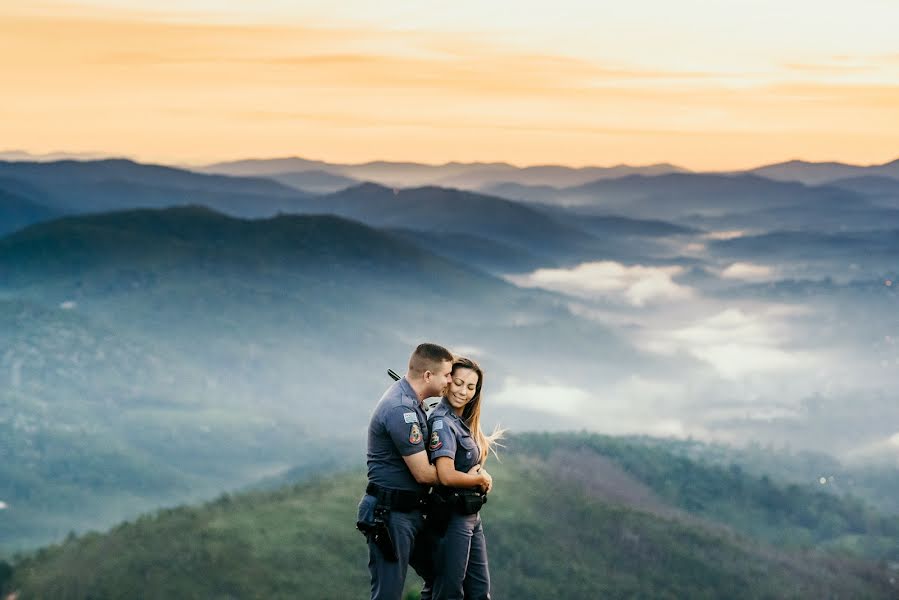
x=457 y=444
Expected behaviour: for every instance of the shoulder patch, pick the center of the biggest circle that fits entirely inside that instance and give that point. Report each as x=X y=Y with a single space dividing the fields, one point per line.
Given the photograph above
x=435 y=443
x=410 y=417
x=438 y=425
x=415 y=434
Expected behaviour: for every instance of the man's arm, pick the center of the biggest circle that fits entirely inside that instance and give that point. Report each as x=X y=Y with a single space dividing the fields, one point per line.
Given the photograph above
x=423 y=471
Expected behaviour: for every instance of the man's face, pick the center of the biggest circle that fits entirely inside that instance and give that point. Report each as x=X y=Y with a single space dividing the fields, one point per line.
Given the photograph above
x=438 y=380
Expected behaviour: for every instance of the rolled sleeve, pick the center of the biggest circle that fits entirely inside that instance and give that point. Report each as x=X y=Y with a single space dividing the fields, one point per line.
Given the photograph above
x=408 y=436
x=442 y=441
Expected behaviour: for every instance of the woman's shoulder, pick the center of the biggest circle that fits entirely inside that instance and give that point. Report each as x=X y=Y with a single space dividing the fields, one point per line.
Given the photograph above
x=439 y=412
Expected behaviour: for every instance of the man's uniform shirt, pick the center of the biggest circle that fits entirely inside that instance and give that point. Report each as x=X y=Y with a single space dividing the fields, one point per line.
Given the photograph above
x=398 y=428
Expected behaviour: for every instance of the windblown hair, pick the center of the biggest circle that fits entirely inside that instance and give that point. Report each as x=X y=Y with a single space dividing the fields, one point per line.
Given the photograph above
x=471 y=413
x=427 y=357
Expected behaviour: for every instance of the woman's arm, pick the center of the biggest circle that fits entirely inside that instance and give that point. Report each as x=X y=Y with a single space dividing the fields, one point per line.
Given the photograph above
x=450 y=477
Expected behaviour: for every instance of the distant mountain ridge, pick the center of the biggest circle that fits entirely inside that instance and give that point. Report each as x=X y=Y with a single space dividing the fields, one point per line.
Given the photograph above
x=679 y=196
x=816 y=173
x=447 y=210
x=70 y=186
x=453 y=174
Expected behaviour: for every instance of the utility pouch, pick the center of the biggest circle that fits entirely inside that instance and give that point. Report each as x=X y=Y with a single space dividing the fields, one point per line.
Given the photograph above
x=471 y=503
x=365 y=517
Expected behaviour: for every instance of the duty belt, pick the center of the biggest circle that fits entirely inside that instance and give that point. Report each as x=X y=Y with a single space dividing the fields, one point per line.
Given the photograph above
x=399 y=500
x=466 y=501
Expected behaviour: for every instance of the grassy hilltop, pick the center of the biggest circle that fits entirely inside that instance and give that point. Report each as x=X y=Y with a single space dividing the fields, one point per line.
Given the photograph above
x=572 y=516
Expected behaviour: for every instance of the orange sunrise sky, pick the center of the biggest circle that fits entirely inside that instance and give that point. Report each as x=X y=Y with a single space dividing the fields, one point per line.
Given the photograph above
x=708 y=85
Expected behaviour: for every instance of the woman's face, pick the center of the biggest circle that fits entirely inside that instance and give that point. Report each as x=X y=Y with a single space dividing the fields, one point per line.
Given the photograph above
x=462 y=388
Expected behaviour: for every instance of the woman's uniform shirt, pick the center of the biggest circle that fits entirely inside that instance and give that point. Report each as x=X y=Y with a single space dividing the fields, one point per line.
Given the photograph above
x=450 y=436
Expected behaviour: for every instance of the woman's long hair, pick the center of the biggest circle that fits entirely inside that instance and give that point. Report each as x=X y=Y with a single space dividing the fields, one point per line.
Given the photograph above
x=471 y=413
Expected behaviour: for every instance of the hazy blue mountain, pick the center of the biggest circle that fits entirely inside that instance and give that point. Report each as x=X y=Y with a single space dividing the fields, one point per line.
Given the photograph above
x=210 y=352
x=17 y=211
x=824 y=172
x=264 y=167
x=722 y=202
x=882 y=190
x=315 y=182
x=95 y=186
x=400 y=174
x=538 y=194
x=459 y=175
x=813 y=246
x=684 y=196
x=478 y=252
x=548 y=175
x=443 y=210
x=613 y=225
x=831 y=214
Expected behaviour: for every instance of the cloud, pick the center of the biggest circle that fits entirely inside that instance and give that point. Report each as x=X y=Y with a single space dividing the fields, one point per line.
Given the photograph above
x=749 y=272
x=884 y=448
x=550 y=398
x=633 y=405
x=636 y=285
x=724 y=235
x=736 y=342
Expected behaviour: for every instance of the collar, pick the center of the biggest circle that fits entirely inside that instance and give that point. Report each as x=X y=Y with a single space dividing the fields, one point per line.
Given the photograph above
x=407 y=390
x=445 y=410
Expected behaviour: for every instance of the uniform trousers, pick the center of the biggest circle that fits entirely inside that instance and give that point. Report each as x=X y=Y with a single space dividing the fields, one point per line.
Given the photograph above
x=460 y=561
x=388 y=578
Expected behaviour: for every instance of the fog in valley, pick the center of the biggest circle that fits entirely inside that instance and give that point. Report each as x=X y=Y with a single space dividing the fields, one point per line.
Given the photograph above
x=168 y=335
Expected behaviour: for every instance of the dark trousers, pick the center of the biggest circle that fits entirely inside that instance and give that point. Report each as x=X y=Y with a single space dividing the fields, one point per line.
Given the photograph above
x=388 y=578
x=460 y=561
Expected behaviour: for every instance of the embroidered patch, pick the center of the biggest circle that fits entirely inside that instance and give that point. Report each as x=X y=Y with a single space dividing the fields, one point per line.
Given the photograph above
x=438 y=425
x=415 y=434
x=410 y=417
x=435 y=443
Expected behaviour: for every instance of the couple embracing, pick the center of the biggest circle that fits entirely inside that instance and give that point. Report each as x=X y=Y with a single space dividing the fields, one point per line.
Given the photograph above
x=426 y=481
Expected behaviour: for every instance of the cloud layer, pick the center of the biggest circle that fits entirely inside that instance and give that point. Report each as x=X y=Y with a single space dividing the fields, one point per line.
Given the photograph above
x=636 y=285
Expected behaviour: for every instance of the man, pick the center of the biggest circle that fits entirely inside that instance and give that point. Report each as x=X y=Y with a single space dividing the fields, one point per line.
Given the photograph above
x=399 y=473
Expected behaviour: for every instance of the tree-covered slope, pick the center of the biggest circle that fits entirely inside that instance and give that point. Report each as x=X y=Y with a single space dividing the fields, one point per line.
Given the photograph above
x=556 y=528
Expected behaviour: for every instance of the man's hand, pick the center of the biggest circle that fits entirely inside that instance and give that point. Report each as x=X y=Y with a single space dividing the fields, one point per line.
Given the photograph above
x=485 y=477
x=488 y=482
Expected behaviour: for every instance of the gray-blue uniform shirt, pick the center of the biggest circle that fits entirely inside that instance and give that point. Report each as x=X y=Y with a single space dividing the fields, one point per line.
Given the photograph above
x=398 y=428
x=451 y=437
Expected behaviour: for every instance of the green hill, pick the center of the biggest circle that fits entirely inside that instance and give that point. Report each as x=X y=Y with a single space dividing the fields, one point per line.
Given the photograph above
x=190 y=353
x=569 y=518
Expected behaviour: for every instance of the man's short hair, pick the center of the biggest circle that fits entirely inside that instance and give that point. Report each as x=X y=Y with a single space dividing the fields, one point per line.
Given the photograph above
x=427 y=357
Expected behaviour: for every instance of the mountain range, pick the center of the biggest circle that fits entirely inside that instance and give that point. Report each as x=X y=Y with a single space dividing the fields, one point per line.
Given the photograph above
x=200 y=346
x=173 y=334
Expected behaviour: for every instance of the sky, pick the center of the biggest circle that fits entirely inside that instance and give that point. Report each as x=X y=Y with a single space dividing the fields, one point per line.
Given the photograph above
x=704 y=84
